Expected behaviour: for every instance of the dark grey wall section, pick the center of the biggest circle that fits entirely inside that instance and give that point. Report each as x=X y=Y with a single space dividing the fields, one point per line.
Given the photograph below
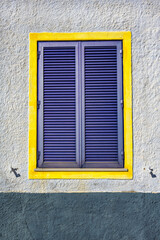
x=82 y=216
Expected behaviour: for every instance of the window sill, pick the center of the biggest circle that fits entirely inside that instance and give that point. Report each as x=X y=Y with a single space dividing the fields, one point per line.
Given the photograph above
x=81 y=170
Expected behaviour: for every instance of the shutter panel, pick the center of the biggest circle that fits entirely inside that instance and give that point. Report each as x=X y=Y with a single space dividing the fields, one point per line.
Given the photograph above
x=80 y=119
x=59 y=107
x=103 y=92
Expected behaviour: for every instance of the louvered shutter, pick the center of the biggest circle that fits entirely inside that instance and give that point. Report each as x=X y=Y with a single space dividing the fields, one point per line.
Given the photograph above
x=80 y=95
x=103 y=116
x=57 y=112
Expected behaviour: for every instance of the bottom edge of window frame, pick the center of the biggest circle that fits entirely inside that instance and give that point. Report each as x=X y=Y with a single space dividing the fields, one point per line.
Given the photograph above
x=80 y=170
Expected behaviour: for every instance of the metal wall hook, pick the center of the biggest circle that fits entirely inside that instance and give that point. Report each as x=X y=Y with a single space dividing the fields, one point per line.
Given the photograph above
x=14 y=170
x=151 y=172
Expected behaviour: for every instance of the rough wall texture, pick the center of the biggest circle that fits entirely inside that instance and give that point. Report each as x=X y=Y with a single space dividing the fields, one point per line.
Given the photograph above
x=85 y=216
x=60 y=216
x=18 y=19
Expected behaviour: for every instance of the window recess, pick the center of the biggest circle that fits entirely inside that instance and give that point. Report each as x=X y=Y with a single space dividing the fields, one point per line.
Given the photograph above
x=80 y=112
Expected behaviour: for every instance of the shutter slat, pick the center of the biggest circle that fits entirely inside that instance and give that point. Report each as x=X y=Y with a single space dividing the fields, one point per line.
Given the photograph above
x=59 y=142
x=97 y=66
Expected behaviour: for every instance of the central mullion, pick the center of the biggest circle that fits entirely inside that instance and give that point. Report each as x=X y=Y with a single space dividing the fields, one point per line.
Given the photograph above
x=79 y=106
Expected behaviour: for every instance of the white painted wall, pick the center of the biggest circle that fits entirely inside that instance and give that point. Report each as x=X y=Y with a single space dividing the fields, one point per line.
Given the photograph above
x=18 y=19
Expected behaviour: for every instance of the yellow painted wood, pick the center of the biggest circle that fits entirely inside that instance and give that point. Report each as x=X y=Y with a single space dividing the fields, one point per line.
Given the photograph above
x=127 y=86
x=32 y=105
x=127 y=91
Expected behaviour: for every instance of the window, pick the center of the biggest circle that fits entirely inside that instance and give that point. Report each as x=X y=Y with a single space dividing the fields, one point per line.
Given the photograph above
x=80 y=105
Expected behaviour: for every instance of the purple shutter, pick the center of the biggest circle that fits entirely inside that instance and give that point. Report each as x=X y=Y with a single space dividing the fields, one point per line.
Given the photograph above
x=80 y=116
x=103 y=128
x=57 y=113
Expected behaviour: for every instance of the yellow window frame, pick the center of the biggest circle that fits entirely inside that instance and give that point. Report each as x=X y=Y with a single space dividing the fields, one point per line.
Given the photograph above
x=121 y=173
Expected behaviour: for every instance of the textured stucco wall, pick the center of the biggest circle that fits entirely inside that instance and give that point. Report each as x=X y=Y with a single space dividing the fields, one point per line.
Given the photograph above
x=18 y=19
x=84 y=216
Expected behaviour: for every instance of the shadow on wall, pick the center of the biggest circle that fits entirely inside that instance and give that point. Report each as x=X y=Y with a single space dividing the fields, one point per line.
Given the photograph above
x=80 y=216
